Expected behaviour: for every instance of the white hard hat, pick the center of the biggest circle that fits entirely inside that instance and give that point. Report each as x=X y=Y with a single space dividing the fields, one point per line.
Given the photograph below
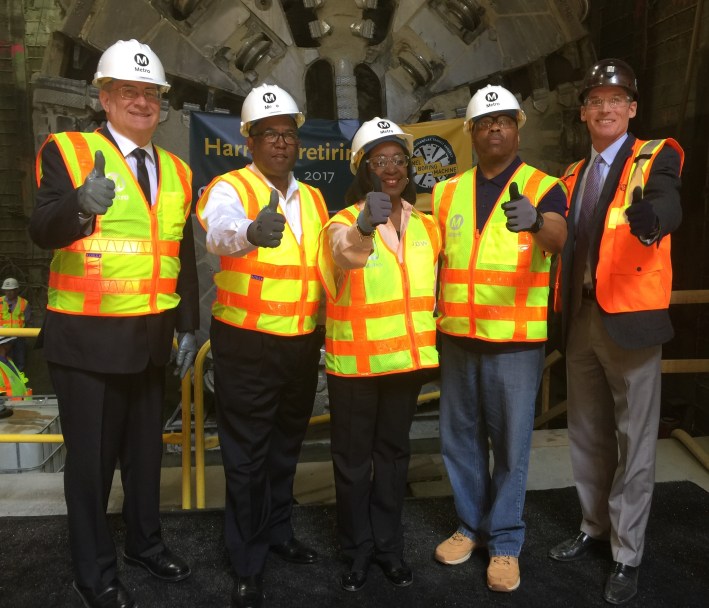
x=268 y=100
x=493 y=99
x=374 y=132
x=6 y=339
x=10 y=283
x=131 y=60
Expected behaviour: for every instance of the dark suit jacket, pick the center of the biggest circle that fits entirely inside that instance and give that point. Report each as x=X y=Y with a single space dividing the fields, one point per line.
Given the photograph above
x=104 y=344
x=634 y=329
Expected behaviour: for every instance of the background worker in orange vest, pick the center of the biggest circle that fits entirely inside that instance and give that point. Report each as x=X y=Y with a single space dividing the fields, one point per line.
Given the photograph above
x=616 y=285
x=107 y=348
x=377 y=261
x=500 y=222
x=15 y=312
x=265 y=344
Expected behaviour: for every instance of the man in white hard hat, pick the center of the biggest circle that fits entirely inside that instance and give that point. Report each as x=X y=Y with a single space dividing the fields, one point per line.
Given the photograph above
x=15 y=312
x=500 y=222
x=116 y=210
x=264 y=225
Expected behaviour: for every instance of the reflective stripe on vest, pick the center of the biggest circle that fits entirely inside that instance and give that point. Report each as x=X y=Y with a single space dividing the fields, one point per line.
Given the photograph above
x=631 y=276
x=273 y=290
x=12 y=384
x=494 y=284
x=130 y=263
x=380 y=319
x=16 y=318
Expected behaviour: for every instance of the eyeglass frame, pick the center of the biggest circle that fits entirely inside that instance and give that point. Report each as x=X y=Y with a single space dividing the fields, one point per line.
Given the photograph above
x=480 y=125
x=614 y=102
x=382 y=162
x=138 y=93
x=272 y=134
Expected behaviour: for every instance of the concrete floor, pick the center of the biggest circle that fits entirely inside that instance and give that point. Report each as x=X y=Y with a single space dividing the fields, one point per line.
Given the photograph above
x=42 y=493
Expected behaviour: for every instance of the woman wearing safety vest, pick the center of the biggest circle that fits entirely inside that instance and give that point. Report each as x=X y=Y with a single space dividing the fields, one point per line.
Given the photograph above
x=377 y=262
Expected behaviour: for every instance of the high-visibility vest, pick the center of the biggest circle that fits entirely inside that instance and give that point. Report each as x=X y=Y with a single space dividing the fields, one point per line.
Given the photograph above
x=16 y=317
x=129 y=265
x=273 y=290
x=631 y=276
x=12 y=382
x=494 y=284
x=380 y=318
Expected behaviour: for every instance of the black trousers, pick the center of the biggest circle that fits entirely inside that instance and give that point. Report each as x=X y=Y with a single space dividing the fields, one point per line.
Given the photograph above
x=370 y=423
x=107 y=418
x=264 y=392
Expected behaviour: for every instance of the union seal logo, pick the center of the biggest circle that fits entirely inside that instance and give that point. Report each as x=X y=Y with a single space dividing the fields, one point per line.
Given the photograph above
x=141 y=60
x=434 y=160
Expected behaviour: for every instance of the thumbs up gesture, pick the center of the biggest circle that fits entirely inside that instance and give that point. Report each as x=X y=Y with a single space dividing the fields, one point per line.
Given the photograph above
x=520 y=213
x=97 y=192
x=268 y=227
x=376 y=210
x=641 y=216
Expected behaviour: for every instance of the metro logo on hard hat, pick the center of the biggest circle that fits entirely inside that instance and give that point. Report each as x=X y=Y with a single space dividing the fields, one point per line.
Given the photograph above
x=269 y=98
x=490 y=97
x=141 y=59
x=383 y=124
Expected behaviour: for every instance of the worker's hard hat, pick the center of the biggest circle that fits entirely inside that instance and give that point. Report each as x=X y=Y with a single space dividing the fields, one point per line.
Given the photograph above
x=493 y=99
x=609 y=73
x=374 y=132
x=268 y=100
x=10 y=283
x=6 y=339
x=131 y=60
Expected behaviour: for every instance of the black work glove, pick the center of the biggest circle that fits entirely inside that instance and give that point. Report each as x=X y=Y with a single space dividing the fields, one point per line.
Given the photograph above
x=641 y=216
x=267 y=229
x=376 y=210
x=186 y=352
x=521 y=214
x=97 y=192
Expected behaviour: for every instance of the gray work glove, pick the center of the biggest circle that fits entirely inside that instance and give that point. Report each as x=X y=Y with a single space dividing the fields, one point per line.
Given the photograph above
x=376 y=210
x=521 y=214
x=186 y=352
x=267 y=229
x=97 y=192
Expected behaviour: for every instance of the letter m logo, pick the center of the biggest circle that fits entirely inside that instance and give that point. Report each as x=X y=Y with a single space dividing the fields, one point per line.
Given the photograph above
x=269 y=97
x=141 y=59
x=492 y=96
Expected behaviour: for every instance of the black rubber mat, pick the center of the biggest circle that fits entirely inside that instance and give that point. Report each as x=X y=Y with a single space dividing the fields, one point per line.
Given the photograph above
x=35 y=571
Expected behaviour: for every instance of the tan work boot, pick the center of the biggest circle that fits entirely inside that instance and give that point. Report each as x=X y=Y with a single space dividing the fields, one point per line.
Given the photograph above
x=503 y=573
x=455 y=550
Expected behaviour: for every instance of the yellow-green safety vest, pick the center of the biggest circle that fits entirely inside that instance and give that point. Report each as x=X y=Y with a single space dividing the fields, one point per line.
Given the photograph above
x=16 y=317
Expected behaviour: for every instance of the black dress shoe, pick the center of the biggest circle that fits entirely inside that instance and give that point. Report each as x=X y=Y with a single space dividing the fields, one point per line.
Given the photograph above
x=399 y=574
x=573 y=548
x=296 y=552
x=113 y=596
x=353 y=580
x=622 y=584
x=248 y=592
x=164 y=565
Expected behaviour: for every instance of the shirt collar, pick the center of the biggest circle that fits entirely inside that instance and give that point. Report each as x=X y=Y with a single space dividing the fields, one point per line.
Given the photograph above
x=501 y=179
x=292 y=182
x=126 y=146
x=608 y=155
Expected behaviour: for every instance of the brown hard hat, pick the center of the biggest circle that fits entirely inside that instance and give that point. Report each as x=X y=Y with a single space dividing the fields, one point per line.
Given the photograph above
x=609 y=73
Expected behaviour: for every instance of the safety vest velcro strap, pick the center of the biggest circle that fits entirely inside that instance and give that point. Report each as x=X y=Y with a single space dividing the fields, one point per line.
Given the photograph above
x=497 y=313
x=167 y=248
x=271 y=271
x=495 y=277
x=365 y=348
x=381 y=309
x=65 y=282
x=269 y=307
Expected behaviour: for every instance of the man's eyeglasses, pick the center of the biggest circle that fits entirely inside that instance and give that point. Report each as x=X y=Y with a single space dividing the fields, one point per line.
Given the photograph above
x=503 y=122
x=290 y=138
x=131 y=93
x=617 y=101
x=381 y=162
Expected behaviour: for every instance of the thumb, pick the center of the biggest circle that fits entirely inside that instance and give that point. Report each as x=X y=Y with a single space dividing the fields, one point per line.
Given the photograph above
x=637 y=194
x=273 y=201
x=514 y=192
x=376 y=183
x=99 y=169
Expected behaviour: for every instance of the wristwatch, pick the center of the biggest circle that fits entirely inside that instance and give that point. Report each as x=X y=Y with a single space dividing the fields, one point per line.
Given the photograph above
x=537 y=225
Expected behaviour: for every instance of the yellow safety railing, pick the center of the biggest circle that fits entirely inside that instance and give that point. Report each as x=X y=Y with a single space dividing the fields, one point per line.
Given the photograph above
x=183 y=438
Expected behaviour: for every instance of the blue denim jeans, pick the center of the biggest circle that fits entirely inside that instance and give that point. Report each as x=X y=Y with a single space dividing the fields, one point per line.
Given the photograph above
x=489 y=396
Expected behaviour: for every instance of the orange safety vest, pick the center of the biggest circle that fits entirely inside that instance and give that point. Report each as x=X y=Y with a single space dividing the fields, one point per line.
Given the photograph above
x=12 y=383
x=273 y=290
x=631 y=276
x=494 y=283
x=380 y=317
x=16 y=318
x=129 y=265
